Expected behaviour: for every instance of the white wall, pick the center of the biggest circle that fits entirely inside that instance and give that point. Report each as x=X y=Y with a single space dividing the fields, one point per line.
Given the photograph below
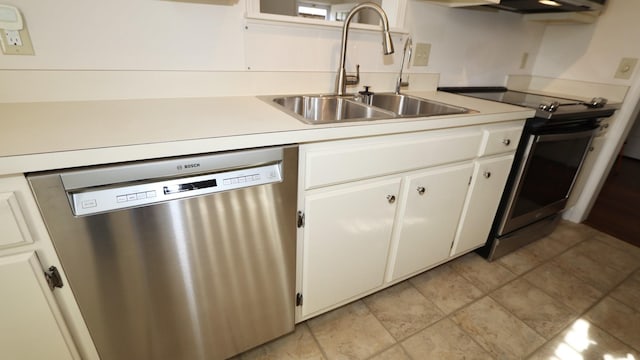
x=468 y=47
x=474 y=46
x=592 y=52
x=130 y=34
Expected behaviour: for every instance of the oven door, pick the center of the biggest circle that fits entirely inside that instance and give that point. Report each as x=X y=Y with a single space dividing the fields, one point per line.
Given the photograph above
x=550 y=164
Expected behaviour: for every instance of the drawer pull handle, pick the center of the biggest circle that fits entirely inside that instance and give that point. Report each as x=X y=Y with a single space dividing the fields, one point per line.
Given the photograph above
x=487 y=174
x=421 y=190
x=591 y=148
x=506 y=142
x=391 y=199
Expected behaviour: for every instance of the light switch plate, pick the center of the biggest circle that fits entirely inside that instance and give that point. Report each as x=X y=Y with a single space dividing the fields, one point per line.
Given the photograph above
x=523 y=60
x=16 y=42
x=625 y=68
x=421 y=55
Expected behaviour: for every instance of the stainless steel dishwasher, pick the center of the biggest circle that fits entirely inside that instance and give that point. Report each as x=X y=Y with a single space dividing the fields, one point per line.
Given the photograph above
x=179 y=258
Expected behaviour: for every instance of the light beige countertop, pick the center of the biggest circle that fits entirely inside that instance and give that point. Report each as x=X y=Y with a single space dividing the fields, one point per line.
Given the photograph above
x=52 y=135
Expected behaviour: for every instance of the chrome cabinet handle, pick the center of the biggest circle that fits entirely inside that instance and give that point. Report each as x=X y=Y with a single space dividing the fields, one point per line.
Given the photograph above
x=391 y=199
x=421 y=190
x=487 y=174
x=506 y=142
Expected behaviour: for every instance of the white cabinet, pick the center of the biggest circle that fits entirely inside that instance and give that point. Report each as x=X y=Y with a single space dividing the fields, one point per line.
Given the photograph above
x=488 y=181
x=346 y=239
x=12 y=222
x=31 y=321
x=36 y=322
x=378 y=210
x=427 y=222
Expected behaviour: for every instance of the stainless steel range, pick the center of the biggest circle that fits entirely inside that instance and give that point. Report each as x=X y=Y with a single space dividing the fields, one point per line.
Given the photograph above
x=552 y=149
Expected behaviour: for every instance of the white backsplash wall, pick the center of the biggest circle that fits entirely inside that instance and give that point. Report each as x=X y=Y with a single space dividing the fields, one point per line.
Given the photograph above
x=272 y=46
x=472 y=46
x=130 y=35
x=467 y=47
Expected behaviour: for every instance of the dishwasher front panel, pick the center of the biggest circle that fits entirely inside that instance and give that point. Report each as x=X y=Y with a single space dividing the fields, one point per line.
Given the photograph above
x=204 y=277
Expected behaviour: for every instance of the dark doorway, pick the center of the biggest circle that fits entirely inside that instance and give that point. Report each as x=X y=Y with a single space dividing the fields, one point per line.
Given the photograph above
x=617 y=208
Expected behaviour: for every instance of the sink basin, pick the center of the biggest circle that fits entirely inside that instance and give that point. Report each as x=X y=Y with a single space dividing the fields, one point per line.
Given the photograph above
x=408 y=106
x=318 y=109
x=326 y=109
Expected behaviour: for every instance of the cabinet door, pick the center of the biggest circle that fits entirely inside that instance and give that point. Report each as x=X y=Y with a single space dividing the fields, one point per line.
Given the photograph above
x=12 y=222
x=346 y=241
x=433 y=202
x=29 y=326
x=487 y=186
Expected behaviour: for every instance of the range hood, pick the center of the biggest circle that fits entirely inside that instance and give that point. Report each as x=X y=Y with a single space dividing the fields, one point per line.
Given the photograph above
x=548 y=6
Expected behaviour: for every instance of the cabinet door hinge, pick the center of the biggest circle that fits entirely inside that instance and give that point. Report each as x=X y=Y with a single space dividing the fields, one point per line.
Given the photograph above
x=298 y=299
x=300 y=219
x=53 y=278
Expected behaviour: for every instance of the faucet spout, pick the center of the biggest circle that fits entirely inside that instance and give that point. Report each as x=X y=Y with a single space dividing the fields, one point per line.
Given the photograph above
x=387 y=43
x=408 y=44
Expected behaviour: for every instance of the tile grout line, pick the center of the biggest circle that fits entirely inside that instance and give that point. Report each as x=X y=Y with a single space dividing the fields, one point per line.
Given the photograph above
x=517 y=277
x=590 y=235
x=322 y=352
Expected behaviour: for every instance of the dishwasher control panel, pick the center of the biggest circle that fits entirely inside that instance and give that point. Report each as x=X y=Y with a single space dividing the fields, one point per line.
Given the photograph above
x=101 y=199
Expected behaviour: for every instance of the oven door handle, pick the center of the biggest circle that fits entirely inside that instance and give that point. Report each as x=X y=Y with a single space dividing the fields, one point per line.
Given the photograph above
x=566 y=135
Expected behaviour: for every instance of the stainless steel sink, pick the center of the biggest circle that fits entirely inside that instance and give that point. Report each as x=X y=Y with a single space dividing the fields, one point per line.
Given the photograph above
x=325 y=109
x=319 y=109
x=408 y=106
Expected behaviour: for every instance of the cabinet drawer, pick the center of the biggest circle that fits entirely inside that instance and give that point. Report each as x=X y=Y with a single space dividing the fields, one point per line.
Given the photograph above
x=349 y=160
x=500 y=139
x=12 y=222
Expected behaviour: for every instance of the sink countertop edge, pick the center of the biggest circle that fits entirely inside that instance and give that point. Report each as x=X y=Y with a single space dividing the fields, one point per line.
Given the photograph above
x=51 y=135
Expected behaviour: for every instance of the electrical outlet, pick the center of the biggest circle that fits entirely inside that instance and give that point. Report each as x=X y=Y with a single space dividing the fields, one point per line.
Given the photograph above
x=523 y=60
x=13 y=37
x=421 y=55
x=625 y=68
x=16 y=42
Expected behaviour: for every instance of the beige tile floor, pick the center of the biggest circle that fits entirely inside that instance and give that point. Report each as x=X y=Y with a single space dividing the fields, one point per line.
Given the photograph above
x=573 y=295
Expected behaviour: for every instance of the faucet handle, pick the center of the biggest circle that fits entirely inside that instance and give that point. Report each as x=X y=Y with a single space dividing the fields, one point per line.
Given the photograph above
x=365 y=95
x=353 y=79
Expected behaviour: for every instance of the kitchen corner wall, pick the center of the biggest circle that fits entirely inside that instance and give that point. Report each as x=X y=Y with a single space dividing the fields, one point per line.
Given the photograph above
x=592 y=52
x=148 y=36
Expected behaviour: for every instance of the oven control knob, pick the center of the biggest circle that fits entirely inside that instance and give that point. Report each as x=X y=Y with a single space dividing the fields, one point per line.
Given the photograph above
x=597 y=102
x=550 y=107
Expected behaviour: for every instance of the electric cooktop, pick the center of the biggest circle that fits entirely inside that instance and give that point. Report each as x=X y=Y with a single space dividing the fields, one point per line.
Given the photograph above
x=547 y=107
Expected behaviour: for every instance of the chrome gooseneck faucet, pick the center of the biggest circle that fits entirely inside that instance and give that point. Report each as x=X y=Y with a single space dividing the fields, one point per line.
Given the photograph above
x=399 y=83
x=387 y=43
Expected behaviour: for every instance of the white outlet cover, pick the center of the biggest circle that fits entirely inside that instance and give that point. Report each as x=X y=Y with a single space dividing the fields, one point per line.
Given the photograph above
x=421 y=57
x=625 y=68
